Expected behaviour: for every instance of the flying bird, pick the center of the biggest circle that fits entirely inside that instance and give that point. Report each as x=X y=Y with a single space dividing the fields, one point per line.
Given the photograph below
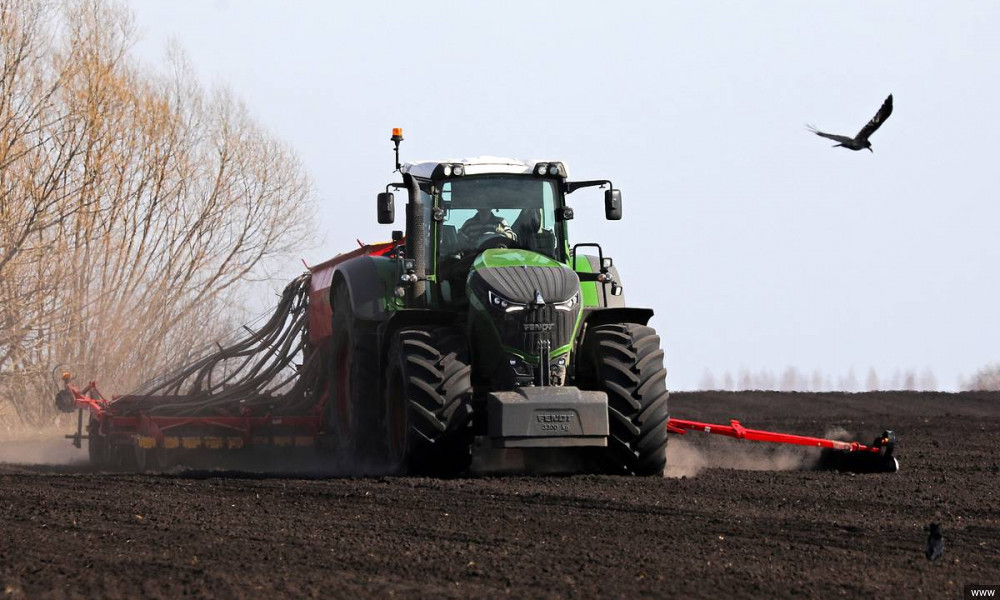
x=935 y=543
x=860 y=141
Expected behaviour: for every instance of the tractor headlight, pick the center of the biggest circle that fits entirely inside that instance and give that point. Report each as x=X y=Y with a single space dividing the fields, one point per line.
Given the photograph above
x=458 y=170
x=447 y=170
x=498 y=301
x=557 y=169
x=569 y=304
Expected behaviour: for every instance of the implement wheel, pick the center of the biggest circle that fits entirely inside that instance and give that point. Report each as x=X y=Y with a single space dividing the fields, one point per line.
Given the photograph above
x=97 y=446
x=428 y=393
x=626 y=362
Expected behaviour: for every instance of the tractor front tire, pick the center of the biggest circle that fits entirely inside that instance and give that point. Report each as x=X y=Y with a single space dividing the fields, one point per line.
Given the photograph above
x=626 y=362
x=428 y=402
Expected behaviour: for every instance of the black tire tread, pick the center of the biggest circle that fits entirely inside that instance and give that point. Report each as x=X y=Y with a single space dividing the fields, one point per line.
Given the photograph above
x=626 y=361
x=438 y=388
x=365 y=374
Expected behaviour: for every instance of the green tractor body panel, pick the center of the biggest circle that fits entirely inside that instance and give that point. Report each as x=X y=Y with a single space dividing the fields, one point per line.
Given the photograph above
x=514 y=257
x=589 y=289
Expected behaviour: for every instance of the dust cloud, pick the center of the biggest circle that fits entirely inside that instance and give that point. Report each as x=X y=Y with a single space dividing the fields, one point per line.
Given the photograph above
x=41 y=450
x=687 y=459
x=40 y=447
x=837 y=433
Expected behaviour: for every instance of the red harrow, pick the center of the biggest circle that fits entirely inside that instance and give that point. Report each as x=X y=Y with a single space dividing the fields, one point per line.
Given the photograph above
x=839 y=455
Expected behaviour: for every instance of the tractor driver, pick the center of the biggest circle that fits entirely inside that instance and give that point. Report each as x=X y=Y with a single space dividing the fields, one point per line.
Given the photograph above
x=485 y=222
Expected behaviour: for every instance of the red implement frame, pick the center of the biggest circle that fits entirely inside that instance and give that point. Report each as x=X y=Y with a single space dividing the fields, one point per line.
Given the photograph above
x=735 y=430
x=837 y=455
x=121 y=429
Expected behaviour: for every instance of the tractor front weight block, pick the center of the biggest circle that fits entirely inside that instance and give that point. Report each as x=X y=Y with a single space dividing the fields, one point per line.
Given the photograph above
x=547 y=417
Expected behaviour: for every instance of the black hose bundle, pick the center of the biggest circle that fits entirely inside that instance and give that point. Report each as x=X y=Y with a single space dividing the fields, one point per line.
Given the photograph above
x=254 y=372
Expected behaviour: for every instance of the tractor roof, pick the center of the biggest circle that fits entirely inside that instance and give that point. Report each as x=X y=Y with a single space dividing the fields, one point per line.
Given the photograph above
x=479 y=165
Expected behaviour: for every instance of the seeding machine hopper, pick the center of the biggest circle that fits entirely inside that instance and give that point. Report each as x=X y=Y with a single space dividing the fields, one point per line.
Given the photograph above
x=480 y=337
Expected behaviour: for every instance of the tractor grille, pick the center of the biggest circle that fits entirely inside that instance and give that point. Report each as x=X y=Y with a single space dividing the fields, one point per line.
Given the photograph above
x=523 y=329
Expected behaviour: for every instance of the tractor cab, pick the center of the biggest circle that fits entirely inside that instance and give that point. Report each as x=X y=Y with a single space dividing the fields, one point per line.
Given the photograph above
x=485 y=204
x=457 y=210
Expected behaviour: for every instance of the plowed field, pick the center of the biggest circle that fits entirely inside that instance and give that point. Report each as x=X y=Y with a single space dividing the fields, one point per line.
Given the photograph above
x=718 y=527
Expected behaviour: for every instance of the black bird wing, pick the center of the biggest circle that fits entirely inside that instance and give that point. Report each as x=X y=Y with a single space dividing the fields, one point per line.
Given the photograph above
x=843 y=139
x=876 y=122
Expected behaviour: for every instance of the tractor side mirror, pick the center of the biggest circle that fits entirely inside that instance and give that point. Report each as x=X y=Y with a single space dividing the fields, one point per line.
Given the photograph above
x=613 y=205
x=386 y=208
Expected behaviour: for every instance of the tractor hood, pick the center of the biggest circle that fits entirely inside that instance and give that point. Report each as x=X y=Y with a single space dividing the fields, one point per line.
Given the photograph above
x=523 y=277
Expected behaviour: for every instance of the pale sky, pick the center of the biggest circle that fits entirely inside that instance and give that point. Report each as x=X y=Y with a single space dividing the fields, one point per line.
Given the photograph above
x=757 y=244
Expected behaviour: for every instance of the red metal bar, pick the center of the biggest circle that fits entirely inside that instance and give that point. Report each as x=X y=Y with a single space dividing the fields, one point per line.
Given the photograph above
x=735 y=430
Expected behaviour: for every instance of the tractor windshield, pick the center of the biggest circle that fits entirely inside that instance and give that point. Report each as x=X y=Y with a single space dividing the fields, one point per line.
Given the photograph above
x=493 y=211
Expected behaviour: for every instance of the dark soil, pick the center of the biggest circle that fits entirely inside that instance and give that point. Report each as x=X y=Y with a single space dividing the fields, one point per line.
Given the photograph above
x=69 y=533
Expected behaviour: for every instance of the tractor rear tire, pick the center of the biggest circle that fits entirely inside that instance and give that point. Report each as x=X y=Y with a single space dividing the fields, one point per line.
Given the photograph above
x=428 y=402
x=626 y=362
x=351 y=409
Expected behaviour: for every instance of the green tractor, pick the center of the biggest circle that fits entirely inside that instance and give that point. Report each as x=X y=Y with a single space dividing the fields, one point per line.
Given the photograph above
x=485 y=334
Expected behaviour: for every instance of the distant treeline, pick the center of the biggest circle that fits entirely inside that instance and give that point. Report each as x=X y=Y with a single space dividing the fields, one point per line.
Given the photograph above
x=135 y=206
x=794 y=380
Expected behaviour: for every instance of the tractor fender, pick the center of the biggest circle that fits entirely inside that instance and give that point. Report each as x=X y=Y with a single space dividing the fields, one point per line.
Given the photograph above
x=366 y=288
x=365 y=285
x=415 y=317
x=608 y=316
x=595 y=317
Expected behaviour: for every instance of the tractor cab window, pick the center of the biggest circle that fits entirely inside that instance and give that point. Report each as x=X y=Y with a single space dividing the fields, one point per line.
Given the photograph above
x=496 y=211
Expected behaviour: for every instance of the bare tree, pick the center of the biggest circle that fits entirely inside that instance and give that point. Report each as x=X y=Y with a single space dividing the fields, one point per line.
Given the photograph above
x=896 y=381
x=727 y=382
x=745 y=380
x=849 y=382
x=136 y=206
x=871 y=382
x=928 y=382
x=816 y=381
x=707 y=381
x=791 y=381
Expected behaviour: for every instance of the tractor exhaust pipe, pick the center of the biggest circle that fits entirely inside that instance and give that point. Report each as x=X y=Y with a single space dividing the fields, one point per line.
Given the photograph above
x=417 y=217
